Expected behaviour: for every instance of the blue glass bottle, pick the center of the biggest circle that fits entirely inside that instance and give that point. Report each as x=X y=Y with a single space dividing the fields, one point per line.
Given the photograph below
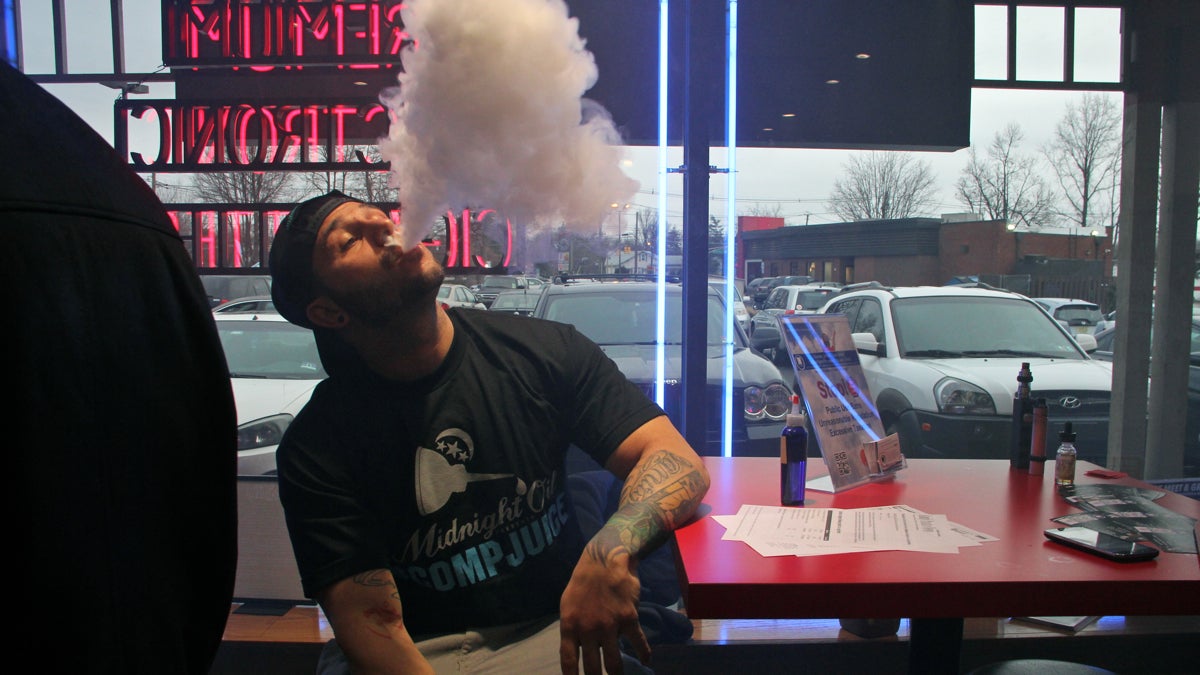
x=793 y=456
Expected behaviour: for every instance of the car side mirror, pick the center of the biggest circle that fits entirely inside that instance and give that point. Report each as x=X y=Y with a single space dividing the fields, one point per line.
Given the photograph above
x=866 y=343
x=1087 y=342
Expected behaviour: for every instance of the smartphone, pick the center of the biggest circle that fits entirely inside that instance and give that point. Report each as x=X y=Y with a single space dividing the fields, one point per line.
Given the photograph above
x=1101 y=544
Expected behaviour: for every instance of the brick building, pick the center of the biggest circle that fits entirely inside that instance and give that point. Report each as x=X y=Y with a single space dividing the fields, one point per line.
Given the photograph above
x=933 y=251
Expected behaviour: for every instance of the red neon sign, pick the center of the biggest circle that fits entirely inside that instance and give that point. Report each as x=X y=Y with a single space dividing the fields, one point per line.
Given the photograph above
x=250 y=136
x=204 y=33
x=243 y=244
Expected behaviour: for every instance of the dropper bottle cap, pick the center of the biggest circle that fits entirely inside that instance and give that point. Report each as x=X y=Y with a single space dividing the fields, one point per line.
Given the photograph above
x=1067 y=435
x=795 y=418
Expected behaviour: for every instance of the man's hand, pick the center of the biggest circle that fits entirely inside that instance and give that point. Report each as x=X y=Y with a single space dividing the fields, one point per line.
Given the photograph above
x=664 y=483
x=598 y=607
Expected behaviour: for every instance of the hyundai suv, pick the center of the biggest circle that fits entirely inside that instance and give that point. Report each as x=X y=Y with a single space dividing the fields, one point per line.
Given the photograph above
x=622 y=318
x=942 y=362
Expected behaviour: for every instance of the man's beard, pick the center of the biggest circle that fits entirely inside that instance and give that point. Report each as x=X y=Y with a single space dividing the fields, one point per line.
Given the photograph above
x=379 y=304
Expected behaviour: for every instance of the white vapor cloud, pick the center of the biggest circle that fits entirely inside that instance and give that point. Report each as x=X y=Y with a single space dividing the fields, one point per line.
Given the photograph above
x=490 y=112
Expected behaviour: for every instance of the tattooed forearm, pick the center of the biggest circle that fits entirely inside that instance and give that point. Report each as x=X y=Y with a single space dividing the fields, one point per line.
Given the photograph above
x=661 y=468
x=656 y=498
x=667 y=481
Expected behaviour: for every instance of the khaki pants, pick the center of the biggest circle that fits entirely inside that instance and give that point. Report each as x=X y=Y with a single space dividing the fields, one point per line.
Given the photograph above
x=529 y=648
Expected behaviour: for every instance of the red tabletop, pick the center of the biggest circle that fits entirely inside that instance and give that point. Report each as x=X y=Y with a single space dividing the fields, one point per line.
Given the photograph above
x=1022 y=574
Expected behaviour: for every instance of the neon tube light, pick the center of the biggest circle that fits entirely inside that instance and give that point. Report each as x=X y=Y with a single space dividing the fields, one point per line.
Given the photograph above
x=730 y=224
x=660 y=354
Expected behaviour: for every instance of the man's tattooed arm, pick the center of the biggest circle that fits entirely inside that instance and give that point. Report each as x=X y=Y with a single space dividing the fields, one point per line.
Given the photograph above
x=661 y=492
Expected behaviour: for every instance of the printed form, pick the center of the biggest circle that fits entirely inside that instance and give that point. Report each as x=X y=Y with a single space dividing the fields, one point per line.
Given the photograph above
x=781 y=530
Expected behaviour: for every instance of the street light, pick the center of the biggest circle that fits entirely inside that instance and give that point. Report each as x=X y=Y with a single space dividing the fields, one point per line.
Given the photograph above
x=620 y=226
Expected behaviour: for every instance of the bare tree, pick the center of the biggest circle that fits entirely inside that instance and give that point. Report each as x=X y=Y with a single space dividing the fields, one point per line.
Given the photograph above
x=1085 y=154
x=242 y=187
x=765 y=210
x=883 y=185
x=370 y=186
x=1006 y=185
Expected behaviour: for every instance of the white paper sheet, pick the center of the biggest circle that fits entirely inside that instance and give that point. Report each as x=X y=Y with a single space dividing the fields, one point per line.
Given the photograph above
x=783 y=530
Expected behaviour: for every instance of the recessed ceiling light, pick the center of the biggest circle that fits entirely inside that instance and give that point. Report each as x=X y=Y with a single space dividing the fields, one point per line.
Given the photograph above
x=768 y=129
x=360 y=83
x=833 y=81
x=862 y=56
x=789 y=114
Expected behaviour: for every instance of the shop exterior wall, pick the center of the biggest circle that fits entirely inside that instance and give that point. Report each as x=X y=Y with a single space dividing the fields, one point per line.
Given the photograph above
x=899 y=270
x=972 y=248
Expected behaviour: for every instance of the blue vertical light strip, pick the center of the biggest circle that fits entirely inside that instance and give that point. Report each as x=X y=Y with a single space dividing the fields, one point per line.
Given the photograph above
x=730 y=225
x=660 y=354
x=8 y=23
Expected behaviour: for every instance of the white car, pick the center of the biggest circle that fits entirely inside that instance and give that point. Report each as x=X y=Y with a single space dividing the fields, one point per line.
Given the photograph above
x=459 y=295
x=941 y=363
x=765 y=335
x=1079 y=316
x=273 y=369
x=741 y=313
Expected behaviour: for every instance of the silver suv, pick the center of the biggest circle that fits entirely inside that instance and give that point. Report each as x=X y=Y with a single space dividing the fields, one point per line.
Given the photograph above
x=765 y=335
x=493 y=285
x=941 y=363
x=621 y=317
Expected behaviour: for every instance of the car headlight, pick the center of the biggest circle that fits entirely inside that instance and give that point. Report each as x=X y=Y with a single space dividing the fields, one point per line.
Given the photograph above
x=772 y=402
x=958 y=397
x=262 y=432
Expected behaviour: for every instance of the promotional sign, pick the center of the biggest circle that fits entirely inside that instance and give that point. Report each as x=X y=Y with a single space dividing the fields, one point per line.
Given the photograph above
x=844 y=420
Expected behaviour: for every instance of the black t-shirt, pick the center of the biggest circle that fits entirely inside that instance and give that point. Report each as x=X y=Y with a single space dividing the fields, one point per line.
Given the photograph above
x=456 y=482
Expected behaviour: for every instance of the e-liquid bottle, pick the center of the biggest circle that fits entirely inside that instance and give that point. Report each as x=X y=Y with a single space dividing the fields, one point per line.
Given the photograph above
x=1021 y=440
x=1037 y=447
x=1064 y=462
x=793 y=456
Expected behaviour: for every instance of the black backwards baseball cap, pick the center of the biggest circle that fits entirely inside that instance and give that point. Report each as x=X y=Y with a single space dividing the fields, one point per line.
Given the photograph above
x=291 y=259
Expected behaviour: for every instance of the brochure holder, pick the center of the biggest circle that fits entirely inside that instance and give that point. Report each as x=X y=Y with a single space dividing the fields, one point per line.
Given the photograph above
x=844 y=420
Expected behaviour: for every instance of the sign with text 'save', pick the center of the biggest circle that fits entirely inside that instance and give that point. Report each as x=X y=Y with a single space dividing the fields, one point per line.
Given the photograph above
x=845 y=422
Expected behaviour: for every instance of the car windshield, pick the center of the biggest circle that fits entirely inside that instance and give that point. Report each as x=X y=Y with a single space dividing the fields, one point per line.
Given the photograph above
x=629 y=318
x=444 y=292
x=969 y=327
x=270 y=350
x=498 y=282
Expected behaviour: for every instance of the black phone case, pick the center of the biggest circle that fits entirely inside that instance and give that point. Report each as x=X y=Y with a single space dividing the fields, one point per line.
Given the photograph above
x=1141 y=552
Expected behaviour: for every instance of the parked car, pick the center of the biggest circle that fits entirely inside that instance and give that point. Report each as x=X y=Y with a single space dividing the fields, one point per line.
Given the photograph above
x=516 y=302
x=1079 y=316
x=254 y=303
x=459 y=295
x=222 y=288
x=490 y=286
x=1110 y=321
x=765 y=335
x=741 y=313
x=1105 y=340
x=941 y=363
x=765 y=290
x=622 y=316
x=756 y=291
x=273 y=369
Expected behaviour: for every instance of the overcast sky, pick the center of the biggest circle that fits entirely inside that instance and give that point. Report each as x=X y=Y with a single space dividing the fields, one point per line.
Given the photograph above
x=795 y=183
